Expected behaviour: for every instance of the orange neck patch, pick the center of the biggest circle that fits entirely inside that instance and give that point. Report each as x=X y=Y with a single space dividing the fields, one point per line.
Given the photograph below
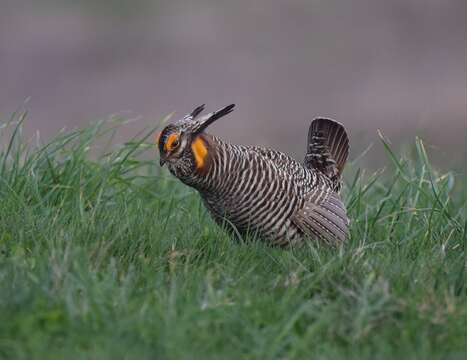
x=199 y=149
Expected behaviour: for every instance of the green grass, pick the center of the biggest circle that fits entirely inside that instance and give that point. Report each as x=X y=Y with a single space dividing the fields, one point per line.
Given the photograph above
x=104 y=257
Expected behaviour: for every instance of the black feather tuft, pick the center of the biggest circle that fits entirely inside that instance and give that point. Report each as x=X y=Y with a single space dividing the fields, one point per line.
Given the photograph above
x=214 y=116
x=222 y=112
x=197 y=111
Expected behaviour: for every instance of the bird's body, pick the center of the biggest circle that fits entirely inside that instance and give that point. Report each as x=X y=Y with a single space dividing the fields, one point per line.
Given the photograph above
x=265 y=193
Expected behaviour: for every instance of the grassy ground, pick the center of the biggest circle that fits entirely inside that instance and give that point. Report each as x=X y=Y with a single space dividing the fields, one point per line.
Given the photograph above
x=109 y=259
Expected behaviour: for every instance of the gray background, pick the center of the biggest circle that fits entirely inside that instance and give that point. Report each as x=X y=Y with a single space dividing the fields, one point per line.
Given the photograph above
x=396 y=65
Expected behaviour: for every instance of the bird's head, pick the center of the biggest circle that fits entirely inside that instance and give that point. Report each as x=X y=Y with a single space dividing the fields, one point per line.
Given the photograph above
x=181 y=144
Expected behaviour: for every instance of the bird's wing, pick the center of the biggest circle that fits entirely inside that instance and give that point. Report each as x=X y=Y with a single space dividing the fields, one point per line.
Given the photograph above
x=323 y=216
x=323 y=213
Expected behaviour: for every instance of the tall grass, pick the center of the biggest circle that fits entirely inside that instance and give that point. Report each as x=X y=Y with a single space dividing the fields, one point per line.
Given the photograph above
x=107 y=257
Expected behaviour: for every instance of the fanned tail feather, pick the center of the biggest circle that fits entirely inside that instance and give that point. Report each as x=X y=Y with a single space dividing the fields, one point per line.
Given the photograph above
x=328 y=148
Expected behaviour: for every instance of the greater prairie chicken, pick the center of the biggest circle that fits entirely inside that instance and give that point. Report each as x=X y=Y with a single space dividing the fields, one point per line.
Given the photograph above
x=259 y=191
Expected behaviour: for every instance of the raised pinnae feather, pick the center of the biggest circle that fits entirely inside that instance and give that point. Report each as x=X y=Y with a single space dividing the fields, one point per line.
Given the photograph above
x=204 y=122
x=190 y=122
x=197 y=111
x=189 y=118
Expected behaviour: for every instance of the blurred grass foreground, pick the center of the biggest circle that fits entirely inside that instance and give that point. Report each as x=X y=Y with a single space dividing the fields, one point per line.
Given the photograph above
x=103 y=256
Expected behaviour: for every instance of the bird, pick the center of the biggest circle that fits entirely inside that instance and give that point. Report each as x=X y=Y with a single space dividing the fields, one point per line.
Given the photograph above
x=258 y=192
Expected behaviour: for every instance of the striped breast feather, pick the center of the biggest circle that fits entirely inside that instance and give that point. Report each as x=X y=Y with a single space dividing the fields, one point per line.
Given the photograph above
x=323 y=216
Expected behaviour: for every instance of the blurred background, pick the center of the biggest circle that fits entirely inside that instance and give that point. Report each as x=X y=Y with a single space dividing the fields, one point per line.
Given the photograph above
x=395 y=65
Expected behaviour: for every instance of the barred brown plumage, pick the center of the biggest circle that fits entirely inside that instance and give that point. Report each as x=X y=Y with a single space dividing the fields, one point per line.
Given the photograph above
x=259 y=191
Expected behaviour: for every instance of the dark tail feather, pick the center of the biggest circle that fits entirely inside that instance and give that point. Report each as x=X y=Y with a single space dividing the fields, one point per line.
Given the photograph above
x=328 y=147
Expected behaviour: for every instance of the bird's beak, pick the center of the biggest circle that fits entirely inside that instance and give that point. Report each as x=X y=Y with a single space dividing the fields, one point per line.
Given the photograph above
x=162 y=162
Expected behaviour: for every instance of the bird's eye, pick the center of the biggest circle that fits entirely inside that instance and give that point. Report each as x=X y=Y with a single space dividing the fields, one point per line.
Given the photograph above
x=172 y=142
